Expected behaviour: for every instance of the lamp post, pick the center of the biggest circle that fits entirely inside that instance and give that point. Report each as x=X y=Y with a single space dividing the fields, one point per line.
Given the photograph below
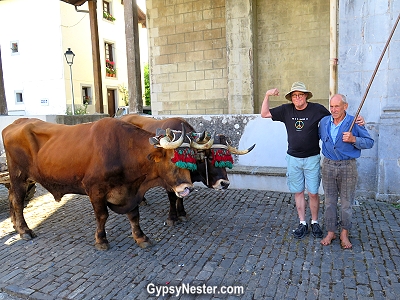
x=69 y=56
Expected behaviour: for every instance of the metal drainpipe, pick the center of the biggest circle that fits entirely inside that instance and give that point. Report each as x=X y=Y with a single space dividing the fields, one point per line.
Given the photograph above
x=333 y=61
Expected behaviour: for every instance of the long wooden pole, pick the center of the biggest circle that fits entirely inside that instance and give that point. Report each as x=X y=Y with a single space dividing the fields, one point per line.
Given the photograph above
x=373 y=75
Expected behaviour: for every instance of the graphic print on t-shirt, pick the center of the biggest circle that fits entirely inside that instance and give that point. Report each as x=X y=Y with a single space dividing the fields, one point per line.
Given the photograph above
x=299 y=123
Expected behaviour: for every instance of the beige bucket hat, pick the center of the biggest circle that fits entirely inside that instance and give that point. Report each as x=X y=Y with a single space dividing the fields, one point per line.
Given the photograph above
x=300 y=87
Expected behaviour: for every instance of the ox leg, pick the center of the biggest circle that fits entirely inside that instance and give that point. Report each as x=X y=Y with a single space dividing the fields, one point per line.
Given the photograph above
x=138 y=235
x=182 y=216
x=16 y=196
x=101 y=214
x=173 y=214
x=143 y=202
x=176 y=210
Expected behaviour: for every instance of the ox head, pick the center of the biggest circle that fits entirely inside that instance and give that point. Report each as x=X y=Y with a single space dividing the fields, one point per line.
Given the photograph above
x=178 y=153
x=213 y=156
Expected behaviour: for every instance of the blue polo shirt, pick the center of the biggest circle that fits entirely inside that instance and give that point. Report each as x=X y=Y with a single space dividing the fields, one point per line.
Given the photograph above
x=335 y=148
x=335 y=128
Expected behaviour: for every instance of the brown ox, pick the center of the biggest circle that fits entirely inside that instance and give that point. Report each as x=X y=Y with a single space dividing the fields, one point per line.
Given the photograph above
x=109 y=160
x=210 y=175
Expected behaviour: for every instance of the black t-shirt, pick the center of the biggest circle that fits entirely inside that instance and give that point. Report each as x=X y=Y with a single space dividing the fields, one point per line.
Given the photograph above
x=301 y=127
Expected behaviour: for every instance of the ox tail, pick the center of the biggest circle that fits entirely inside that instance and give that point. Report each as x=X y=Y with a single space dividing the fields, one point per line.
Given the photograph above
x=133 y=201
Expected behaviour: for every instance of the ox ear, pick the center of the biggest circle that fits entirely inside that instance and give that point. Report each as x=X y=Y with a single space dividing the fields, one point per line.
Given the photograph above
x=153 y=141
x=156 y=155
x=160 y=132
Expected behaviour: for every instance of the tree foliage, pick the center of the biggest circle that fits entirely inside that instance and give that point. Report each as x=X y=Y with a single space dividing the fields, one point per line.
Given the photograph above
x=146 y=95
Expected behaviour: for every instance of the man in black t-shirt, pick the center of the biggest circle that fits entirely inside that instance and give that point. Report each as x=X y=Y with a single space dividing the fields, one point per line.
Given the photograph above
x=301 y=119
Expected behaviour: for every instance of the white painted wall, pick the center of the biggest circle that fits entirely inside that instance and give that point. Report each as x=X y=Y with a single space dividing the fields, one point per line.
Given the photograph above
x=271 y=143
x=40 y=71
x=37 y=69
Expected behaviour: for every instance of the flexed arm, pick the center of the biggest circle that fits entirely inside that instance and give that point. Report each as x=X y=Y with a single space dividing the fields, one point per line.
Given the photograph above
x=265 y=113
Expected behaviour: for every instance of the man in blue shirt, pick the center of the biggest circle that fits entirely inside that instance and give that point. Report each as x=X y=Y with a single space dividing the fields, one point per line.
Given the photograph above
x=340 y=149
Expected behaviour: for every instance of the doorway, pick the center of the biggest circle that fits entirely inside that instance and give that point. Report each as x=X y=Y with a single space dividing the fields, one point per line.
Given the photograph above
x=111 y=101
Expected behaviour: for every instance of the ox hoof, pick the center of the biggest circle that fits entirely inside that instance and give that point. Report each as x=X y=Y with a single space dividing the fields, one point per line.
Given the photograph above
x=102 y=247
x=143 y=203
x=27 y=236
x=183 y=218
x=145 y=244
x=171 y=222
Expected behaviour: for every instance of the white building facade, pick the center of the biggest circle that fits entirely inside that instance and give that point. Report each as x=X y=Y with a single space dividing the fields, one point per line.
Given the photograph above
x=36 y=74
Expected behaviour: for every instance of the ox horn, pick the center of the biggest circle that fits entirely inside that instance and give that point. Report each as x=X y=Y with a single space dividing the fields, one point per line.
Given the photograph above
x=202 y=136
x=207 y=137
x=233 y=150
x=204 y=146
x=166 y=142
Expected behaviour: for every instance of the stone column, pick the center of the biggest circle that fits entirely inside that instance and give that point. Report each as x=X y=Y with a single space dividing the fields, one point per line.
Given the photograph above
x=389 y=155
x=240 y=56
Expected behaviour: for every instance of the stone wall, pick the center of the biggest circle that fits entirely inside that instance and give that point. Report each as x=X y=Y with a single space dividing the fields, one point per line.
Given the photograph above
x=187 y=52
x=364 y=29
x=220 y=57
x=292 y=45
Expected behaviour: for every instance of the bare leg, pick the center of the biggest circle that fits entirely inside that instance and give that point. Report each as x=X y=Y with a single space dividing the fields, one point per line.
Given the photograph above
x=314 y=206
x=300 y=205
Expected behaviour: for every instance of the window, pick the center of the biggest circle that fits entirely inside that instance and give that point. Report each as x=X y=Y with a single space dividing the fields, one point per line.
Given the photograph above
x=87 y=95
x=107 y=13
x=14 y=47
x=18 y=98
x=111 y=70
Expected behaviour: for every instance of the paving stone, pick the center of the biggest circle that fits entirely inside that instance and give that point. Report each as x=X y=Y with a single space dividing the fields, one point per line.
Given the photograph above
x=233 y=237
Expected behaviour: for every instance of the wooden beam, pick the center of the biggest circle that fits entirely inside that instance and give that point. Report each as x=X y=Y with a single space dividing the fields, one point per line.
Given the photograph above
x=3 y=102
x=98 y=91
x=75 y=2
x=133 y=56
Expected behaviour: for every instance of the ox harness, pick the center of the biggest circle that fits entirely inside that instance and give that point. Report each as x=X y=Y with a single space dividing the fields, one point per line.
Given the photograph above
x=185 y=157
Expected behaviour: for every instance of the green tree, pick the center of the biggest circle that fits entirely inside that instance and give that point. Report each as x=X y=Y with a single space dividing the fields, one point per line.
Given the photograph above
x=125 y=94
x=146 y=75
x=79 y=110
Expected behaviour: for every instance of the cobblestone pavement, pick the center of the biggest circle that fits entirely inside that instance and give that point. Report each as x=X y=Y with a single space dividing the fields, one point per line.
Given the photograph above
x=233 y=238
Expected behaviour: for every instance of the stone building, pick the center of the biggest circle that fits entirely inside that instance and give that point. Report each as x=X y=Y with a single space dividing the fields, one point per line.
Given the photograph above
x=218 y=57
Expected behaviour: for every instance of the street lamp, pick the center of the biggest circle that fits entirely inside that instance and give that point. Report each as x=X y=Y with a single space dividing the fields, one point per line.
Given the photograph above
x=69 y=56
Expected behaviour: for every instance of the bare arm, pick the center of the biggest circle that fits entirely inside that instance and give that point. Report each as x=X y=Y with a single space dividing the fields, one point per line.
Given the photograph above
x=265 y=113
